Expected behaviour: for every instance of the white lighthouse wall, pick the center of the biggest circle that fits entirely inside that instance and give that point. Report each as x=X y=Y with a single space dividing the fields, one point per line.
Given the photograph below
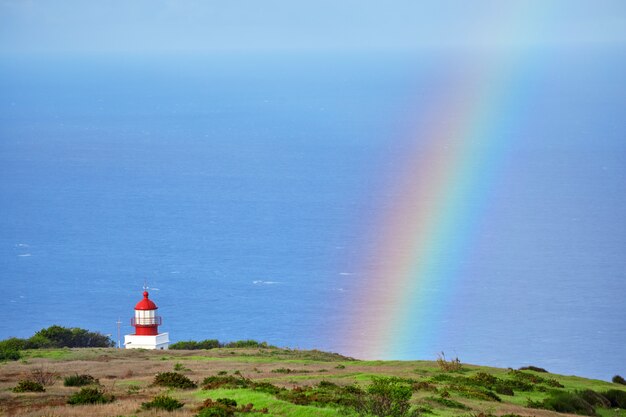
x=160 y=341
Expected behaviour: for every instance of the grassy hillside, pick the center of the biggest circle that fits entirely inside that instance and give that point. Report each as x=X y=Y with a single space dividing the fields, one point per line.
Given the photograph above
x=288 y=383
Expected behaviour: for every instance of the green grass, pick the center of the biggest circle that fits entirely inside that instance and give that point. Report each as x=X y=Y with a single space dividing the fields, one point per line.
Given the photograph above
x=54 y=354
x=275 y=407
x=308 y=369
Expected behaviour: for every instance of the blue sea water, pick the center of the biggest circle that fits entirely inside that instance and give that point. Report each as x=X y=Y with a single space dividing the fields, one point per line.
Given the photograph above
x=242 y=189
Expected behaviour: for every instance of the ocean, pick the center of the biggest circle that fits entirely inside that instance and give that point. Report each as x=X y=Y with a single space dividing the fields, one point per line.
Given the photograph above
x=249 y=192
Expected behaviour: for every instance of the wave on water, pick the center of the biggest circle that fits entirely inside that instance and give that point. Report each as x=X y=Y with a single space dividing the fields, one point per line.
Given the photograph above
x=24 y=255
x=260 y=282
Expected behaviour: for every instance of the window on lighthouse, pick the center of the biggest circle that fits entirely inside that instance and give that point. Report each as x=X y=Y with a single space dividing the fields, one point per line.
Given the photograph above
x=145 y=317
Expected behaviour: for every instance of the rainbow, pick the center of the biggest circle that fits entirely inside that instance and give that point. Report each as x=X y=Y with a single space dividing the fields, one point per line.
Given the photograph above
x=451 y=155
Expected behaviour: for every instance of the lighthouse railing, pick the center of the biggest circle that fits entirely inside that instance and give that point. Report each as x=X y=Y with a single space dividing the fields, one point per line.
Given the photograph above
x=145 y=321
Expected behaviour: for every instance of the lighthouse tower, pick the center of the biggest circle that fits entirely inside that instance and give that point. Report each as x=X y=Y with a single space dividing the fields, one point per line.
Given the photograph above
x=146 y=324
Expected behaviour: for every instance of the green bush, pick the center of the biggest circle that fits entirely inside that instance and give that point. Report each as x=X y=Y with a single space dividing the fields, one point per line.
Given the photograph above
x=12 y=343
x=485 y=379
x=79 y=380
x=565 y=402
x=180 y=367
x=532 y=368
x=90 y=395
x=267 y=388
x=29 y=386
x=247 y=344
x=594 y=398
x=162 y=402
x=504 y=390
x=225 y=381
x=173 y=380
x=446 y=402
x=618 y=380
x=386 y=397
x=616 y=397
x=193 y=345
x=474 y=393
x=223 y=407
x=7 y=354
x=534 y=379
x=58 y=337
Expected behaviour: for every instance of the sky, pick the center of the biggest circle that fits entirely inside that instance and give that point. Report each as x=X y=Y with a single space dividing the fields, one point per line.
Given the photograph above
x=172 y=26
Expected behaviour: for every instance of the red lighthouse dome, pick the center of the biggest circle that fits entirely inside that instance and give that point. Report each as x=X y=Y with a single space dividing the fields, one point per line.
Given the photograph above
x=146 y=303
x=146 y=322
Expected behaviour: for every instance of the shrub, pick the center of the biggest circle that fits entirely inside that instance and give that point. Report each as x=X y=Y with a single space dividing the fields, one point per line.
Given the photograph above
x=193 y=345
x=513 y=384
x=475 y=393
x=386 y=397
x=289 y=371
x=565 y=402
x=12 y=343
x=57 y=337
x=223 y=407
x=267 y=388
x=7 y=354
x=504 y=390
x=534 y=379
x=532 y=368
x=173 y=380
x=616 y=397
x=162 y=402
x=446 y=402
x=485 y=379
x=594 y=398
x=618 y=380
x=247 y=344
x=180 y=367
x=90 y=395
x=452 y=365
x=79 y=380
x=41 y=375
x=29 y=386
x=424 y=386
x=225 y=381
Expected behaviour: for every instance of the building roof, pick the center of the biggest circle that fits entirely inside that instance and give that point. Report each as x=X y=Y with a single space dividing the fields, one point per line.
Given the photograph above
x=146 y=303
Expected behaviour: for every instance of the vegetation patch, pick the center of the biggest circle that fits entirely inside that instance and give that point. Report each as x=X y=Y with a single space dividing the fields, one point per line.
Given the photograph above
x=386 y=397
x=447 y=402
x=451 y=365
x=162 y=402
x=193 y=345
x=565 y=402
x=225 y=381
x=173 y=380
x=532 y=368
x=7 y=354
x=225 y=407
x=79 y=380
x=534 y=379
x=29 y=386
x=57 y=337
x=616 y=397
x=290 y=371
x=90 y=395
x=617 y=379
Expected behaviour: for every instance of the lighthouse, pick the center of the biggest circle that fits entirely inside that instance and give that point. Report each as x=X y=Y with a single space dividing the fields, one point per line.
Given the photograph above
x=146 y=324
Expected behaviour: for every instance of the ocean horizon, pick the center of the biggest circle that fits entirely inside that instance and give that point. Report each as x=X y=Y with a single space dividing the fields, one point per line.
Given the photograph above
x=270 y=197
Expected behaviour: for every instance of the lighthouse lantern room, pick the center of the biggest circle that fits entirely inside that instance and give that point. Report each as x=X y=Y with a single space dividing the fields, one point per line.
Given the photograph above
x=146 y=324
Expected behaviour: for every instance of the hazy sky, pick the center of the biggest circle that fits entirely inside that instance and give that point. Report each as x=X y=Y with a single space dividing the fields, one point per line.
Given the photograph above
x=203 y=26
